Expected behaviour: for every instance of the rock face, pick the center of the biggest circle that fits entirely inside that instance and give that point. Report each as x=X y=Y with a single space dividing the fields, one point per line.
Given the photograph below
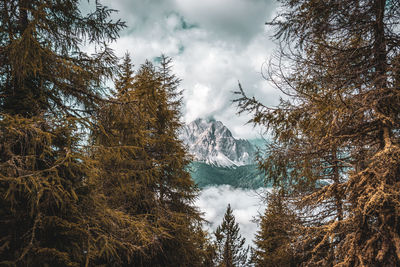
x=211 y=142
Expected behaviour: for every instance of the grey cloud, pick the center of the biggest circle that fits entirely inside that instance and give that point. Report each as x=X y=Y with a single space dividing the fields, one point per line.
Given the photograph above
x=214 y=45
x=237 y=20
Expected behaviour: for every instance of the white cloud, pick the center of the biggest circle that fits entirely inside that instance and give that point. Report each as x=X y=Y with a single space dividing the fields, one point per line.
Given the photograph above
x=246 y=205
x=214 y=45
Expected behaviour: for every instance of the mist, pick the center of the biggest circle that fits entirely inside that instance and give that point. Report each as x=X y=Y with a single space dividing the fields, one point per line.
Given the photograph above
x=247 y=205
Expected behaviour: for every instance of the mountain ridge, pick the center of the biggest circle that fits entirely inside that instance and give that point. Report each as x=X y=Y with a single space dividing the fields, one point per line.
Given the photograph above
x=211 y=142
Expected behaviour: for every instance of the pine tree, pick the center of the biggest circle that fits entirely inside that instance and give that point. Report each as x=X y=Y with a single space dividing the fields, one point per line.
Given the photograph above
x=127 y=177
x=306 y=164
x=143 y=168
x=277 y=231
x=42 y=66
x=47 y=84
x=120 y=143
x=341 y=121
x=230 y=244
x=174 y=188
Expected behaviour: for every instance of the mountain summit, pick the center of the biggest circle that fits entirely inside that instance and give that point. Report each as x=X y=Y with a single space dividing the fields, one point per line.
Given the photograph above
x=211 y=142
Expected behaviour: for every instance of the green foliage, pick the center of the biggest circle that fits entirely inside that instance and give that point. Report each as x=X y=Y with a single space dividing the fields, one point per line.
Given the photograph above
x=230 y=244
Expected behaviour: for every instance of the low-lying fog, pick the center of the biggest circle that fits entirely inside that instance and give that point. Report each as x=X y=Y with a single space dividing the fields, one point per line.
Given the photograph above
x=246 y=204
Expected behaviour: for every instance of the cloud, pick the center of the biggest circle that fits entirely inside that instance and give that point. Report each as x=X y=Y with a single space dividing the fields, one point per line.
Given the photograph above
x=235 y=20
x=246 y=205
x=214 y=45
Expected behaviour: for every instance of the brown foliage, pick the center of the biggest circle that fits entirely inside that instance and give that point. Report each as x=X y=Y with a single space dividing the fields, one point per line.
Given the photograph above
x=336 y=133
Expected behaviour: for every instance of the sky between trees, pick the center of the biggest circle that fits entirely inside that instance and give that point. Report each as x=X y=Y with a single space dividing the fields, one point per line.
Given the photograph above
x=213 y=47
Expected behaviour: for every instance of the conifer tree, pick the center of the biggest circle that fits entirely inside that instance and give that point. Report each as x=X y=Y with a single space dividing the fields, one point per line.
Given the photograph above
x=277 y=231
x=231 y=250
x=127 y=177
x=42 y=66
x=47 y=83
x=143 y=168
x=341 y=118
x=303 y=162
x=175 y=190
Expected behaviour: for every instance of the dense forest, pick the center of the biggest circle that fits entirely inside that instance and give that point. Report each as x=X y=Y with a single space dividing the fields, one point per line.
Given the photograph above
x=97 y=176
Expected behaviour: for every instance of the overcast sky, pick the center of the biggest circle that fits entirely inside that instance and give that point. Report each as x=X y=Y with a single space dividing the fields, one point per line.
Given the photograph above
x=214 y=44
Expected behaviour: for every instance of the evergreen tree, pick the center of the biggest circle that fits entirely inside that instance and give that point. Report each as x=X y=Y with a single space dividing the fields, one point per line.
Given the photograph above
x=230 y=244
x=339 y=126
x=174 y=188
x=47 y=83
x=127 y=177
x=306 y=164
x=42 y=66
x=143 y=169
x=277 y=231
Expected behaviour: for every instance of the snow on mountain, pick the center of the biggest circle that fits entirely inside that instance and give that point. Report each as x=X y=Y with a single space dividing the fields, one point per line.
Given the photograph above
x=211 y=142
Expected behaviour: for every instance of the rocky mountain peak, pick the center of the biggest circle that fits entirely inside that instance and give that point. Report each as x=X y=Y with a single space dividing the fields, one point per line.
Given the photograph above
x=210 y=141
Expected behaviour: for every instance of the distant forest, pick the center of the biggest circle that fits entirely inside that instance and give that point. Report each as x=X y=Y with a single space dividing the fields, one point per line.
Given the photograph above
x=97 y=176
